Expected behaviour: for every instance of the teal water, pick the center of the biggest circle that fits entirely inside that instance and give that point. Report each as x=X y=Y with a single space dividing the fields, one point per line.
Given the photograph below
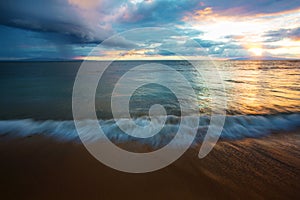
x=262 y=96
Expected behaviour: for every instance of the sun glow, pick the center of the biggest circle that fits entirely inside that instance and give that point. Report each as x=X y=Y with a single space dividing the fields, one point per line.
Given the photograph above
x=256 y=51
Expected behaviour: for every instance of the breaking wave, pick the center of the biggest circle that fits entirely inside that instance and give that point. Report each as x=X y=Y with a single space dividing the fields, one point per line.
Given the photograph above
x=236 y=127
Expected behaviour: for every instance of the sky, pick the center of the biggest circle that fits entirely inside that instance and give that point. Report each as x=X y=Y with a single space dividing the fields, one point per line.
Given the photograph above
x=71 y=29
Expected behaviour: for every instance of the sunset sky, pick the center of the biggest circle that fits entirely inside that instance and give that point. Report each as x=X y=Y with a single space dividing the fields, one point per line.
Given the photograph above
x=70 y=29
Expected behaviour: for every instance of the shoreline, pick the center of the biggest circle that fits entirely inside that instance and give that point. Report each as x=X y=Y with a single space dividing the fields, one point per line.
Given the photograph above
x=39 y=167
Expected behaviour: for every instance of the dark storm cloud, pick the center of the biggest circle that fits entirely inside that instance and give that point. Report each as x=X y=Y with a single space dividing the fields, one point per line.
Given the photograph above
x=54 y=16
x=15 y=44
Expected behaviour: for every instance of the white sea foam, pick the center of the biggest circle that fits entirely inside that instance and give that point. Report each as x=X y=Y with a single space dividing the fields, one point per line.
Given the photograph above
x=236 y=127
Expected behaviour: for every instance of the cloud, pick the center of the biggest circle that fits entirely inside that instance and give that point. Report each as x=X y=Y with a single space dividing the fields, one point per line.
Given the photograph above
x=15 y=44
x=277 y=35
x=153 y=12
x=69 y=28
x=162 y=12
x=119 y=42
x=295 y=34
x=165 y=53
x=53 y=16
x=207 y=43
x=246 y=7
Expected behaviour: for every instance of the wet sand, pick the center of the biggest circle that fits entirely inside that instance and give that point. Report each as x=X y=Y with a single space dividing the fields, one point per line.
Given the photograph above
x=41 y=168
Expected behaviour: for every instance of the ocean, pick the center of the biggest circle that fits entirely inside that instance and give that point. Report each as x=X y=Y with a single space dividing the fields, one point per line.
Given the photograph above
x=263 y=97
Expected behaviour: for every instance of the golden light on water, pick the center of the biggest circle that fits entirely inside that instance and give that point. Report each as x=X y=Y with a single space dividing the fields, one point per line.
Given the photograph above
x=260 y=91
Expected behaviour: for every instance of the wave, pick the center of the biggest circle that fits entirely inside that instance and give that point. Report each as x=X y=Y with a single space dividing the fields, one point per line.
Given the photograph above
x=235 y=127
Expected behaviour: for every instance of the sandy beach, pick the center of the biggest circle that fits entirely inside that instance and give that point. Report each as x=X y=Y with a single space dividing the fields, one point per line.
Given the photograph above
x=41 y=168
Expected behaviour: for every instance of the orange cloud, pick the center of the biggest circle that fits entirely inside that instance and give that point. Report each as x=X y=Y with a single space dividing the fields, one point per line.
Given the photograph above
x=199 y=14
x=237 y=13
x=285 y=12
x=204 y=12
x=296 y=38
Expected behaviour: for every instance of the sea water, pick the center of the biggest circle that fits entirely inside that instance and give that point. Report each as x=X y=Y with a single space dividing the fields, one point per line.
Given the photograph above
x=262 y=97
